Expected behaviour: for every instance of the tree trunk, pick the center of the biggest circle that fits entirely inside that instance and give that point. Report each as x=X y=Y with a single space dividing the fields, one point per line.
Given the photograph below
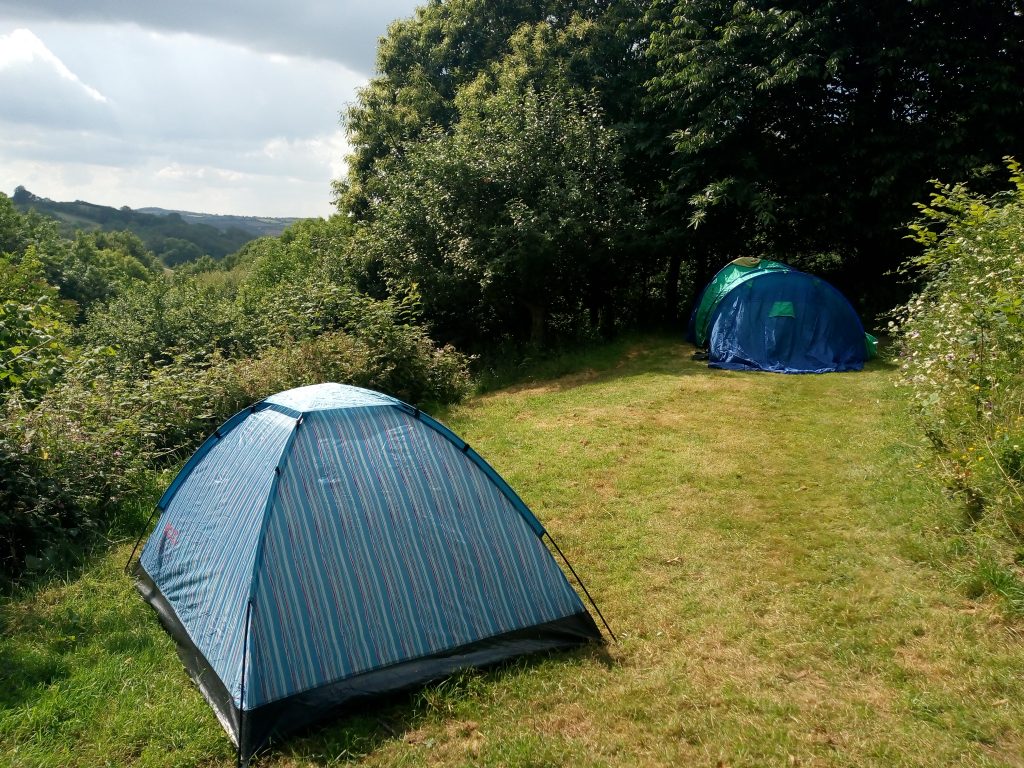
x=537 y=315
x=672 y=288
x=607 y=314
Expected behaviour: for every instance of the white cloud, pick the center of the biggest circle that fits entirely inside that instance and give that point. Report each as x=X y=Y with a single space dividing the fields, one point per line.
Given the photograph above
x=178 y=110
x=325 y=150
x=21 y=50
x=163 y=183
x=226 y=107
x=37 y=88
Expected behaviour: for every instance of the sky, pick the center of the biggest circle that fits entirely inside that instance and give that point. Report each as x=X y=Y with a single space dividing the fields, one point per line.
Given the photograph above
x=218 y=106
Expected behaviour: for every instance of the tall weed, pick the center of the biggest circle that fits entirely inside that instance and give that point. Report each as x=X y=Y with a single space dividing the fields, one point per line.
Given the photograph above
x=94 y=439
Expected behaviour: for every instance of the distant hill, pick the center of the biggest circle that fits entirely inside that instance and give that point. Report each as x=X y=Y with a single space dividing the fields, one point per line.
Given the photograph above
x=175 y=237
x=258 y=226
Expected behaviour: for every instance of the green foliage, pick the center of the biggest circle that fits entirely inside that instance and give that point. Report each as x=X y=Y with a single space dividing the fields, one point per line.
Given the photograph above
x=148 y=323
x=512 y=217
x=36 y=513
x=55 y=488
x=33 y=327
x=453 y=63
x=783 y=129
x=814 y=126
x=97 y=266
x=19 y=231
x=90 y=417
x=88 y=270
x=962 y=340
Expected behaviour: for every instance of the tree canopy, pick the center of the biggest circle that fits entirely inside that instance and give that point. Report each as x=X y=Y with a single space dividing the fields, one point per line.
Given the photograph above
x=814 y=126
x=801 y=130
x=512 y=217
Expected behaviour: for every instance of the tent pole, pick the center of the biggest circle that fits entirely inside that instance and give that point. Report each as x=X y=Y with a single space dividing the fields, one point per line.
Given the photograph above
x=582 y=585
x=139 y=540
x=241 y=693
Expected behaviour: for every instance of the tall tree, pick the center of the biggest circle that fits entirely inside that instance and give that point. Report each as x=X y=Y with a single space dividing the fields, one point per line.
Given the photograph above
x=510 y=218
x=423 y=61
x=802 y=127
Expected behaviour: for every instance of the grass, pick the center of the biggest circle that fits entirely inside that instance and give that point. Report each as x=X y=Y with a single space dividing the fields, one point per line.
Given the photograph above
x=776 y=566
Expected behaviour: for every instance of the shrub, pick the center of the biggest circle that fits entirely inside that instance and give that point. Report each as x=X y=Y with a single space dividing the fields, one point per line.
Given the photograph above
x=95 y=438
x=962 y=340
x=33 y=327
x=34 y=508
x=83 y=433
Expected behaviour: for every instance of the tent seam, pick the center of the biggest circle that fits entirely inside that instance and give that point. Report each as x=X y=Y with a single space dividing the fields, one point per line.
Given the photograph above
x=268 y=508
x=499 y=482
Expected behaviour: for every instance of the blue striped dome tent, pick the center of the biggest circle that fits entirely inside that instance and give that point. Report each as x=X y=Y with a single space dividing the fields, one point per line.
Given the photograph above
x=331 y=543
x=762 y=315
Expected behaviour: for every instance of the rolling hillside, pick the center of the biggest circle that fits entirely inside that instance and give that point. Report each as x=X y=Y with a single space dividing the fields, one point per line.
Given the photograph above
x=176 y=237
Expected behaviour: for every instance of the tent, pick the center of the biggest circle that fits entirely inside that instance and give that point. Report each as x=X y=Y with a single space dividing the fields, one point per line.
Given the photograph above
x=762 y=315
x=331 y=543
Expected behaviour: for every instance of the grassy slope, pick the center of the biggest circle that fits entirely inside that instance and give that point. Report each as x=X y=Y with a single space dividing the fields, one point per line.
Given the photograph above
x=763 y=546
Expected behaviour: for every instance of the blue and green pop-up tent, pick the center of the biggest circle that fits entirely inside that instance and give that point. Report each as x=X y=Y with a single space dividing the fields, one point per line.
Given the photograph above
x=762 y=315
x=332 y=543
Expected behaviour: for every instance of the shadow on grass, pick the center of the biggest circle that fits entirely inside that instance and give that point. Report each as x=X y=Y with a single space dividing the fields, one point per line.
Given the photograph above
x=355 y=732
x=629 y=356
x=36 y=645
x=65 y=561
x=42 y=645
x=622 y=358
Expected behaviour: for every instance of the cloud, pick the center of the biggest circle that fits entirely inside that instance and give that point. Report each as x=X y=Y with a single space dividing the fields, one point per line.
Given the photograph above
x=226 y=107
x=23 y=49
x=177 y=110
x=37 y=87
x=298 y=184
x=345 y=31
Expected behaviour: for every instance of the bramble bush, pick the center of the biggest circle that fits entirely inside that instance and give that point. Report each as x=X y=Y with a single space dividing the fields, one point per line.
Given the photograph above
x=94 y=439
x=962 y=342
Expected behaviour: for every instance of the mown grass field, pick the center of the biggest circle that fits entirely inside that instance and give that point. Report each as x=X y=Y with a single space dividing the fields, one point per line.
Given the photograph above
x=778 y=568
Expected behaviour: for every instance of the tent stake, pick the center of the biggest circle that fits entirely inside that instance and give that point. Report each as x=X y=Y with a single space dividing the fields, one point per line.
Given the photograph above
x=582 y=585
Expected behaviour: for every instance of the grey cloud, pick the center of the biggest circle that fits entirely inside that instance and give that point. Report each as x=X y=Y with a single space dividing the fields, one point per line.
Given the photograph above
x=345 y=31
x=177 y=90
x=187 y=117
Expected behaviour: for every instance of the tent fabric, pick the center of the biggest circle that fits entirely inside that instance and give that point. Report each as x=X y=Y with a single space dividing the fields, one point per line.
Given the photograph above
x=727 y=278
x=767 y=316
x=331 y=543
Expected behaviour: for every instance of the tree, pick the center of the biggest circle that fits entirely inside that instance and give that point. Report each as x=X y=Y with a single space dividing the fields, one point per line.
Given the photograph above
x=804 y=127
x=509 y=219
x=425 y=60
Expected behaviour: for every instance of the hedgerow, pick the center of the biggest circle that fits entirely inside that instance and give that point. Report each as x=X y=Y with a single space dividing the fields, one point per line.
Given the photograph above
x=94 y=440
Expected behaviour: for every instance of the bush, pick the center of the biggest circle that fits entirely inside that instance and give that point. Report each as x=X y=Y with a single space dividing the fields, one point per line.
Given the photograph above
x=962 y=340
x=33 y=327
x=165 y=361
x=94 y=440
x=34 y=509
